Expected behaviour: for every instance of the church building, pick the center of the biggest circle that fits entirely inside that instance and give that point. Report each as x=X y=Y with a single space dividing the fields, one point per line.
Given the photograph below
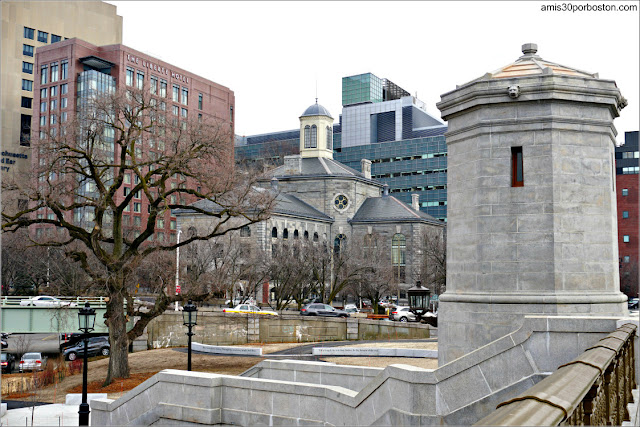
x=326 y=202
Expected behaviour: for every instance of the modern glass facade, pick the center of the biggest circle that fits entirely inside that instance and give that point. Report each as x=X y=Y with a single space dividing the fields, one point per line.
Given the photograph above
x=361 y=89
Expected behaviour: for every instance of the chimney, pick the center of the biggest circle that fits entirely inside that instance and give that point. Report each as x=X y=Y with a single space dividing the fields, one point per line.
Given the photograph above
x=274 y=183
x=415 y=202
x=365 y=167
x=293 y=164
x=385 y=190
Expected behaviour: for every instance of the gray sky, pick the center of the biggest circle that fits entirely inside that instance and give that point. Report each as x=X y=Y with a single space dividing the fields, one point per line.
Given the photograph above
x=273 y=54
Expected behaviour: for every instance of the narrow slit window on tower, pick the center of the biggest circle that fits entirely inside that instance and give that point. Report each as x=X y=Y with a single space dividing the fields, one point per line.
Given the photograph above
x=517 y=173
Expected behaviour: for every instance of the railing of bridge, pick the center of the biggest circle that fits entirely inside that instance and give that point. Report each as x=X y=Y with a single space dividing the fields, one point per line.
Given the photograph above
x=593 y=389
x=96 y=302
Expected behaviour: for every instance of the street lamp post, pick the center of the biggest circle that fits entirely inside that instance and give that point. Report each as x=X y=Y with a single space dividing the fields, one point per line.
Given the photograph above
x=86 y=320
x=190 y=317
x=178 y=290
x=419 y=300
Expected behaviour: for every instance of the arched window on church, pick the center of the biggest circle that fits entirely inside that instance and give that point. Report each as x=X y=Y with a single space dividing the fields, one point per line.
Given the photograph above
x=398 y=250
x=245 y=231
x=315 y=237
x=306 y=235
x=314 y=137
x=339 y=243
x=285 y=234
x=307 y=136
x=329 y=138
x=295 y=234
x=274 y=232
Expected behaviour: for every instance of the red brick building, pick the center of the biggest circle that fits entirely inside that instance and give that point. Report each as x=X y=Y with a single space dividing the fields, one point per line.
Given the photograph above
x=65 y=71
x=628 y=219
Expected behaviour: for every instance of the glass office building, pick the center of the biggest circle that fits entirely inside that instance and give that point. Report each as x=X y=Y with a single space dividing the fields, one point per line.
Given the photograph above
x=383 y=123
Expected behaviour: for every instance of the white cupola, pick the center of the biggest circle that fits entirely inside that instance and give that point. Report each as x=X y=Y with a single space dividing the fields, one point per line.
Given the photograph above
x=316 y=132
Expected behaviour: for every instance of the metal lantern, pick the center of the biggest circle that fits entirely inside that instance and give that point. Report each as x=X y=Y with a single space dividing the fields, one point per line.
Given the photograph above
x=190 y=314
x=86 y=318
x=419 y=299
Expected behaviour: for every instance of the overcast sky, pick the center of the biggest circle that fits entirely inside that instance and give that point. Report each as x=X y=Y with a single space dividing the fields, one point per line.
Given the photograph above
x=273 y=55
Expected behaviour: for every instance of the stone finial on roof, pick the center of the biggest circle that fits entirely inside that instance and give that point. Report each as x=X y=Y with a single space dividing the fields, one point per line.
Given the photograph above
x=529 y=48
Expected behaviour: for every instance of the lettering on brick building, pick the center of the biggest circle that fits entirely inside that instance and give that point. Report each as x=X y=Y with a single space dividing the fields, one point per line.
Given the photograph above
x=157 y=68
x=7 y=160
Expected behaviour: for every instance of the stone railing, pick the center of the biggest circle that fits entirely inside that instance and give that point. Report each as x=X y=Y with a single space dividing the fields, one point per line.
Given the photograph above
x=593 y=389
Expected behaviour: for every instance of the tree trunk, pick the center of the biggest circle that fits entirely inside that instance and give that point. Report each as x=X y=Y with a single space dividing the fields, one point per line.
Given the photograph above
x=117 y=322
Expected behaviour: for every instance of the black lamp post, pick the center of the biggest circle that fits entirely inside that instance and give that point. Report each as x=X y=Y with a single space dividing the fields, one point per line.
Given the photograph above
x=190 y=317
x=419 y=300
x=86 y=320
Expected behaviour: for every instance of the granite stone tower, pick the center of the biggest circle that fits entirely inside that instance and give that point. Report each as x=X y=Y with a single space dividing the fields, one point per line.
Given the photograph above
x=532 y=209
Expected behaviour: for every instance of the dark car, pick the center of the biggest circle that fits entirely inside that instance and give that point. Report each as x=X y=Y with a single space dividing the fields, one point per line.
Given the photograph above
x=8 y=363
x=317 y=309
x=632 y=303
x=95 y=346
x=4 y=338
x=71 y=339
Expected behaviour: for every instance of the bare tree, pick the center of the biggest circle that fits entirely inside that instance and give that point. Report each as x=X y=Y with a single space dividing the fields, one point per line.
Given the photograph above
x=77 y=195
x=433 y=260
x=288 y=273
x=376 y=276
x=629 y=278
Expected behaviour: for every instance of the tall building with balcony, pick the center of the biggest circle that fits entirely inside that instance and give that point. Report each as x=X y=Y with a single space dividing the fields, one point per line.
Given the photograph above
x=73 y=73
x=383 y=123
x=27 y=26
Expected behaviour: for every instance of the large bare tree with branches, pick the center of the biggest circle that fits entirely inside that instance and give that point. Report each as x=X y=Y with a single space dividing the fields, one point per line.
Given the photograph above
x=89 y=174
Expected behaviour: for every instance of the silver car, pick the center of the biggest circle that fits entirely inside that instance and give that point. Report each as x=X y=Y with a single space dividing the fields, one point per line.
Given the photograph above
x=32 y=362
x=402 y=314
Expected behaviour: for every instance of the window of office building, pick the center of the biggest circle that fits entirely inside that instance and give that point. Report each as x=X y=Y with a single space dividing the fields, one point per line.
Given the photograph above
x=43 y=37
x=52 y=119
x=55 y=38
x=54 y=105
x=140 y=80
x=176 y=93
x=625 y=238
x=43 y=120
x=64 y=69
x=43 y=93
x=63 y=103
x=27 y=67
x=63 y=116
x=184 y=112
x=129 y=76
x=43 y=74
x=153 y=85
x=63 y=89
x=54 y=72
x=27 y=84
x=175 y=110
x=625 y=191
x=29 y=33
x=53 y=91
x=185 y=96
x=626 y=259
x=163 y=88
x=625 y=214
x=26 y=102
x=199 y=101
x=27 y=50
x=137 y=207
x=25 y=129
x=43 y=106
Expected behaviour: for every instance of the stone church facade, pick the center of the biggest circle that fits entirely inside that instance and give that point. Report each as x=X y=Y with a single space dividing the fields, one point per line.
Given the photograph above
x=326 y=202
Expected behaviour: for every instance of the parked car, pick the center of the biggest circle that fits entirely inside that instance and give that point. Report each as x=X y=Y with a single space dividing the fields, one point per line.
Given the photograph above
x=95 y=346
x=4 y=341
x=46 y=301
x=8 y=363
x=69 y=339
x=32 y=362
x=632 y=303
x=249 y=309
x=402 y=314
x=351 y=308
x=322 y=310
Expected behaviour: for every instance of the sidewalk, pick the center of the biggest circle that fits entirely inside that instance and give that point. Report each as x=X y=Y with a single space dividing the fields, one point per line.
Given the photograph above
x=43 y=415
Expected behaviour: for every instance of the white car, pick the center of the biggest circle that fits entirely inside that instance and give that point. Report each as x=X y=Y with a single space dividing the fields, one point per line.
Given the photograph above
x=46 y=301
x=249 y=309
